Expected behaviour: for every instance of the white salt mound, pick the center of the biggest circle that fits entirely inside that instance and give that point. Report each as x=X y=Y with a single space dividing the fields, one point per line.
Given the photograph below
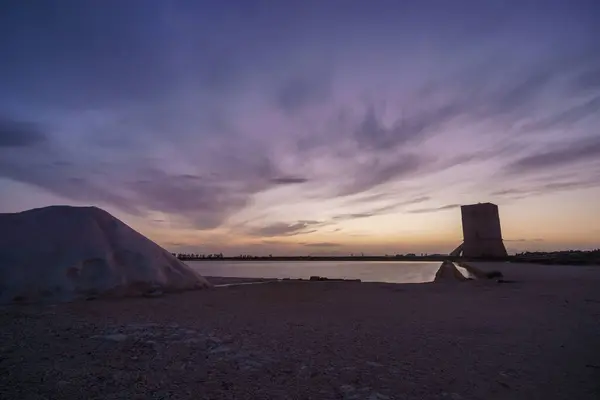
x=62 y=253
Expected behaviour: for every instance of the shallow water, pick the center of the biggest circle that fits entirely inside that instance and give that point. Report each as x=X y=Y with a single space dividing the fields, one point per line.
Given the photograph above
x=370 y=271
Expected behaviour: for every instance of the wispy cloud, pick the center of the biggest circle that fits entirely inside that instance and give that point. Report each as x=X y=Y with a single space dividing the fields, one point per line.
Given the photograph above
x=380 y=169
x=524 y=240
x=565 y=118
x=569 y=153
x=285 y=229
x=15 y=133
x=433 y=209
x=289 y=180
x=309 y=87
x=321 y=244
x=381 y=210
x=140 y=184
x=551 y=185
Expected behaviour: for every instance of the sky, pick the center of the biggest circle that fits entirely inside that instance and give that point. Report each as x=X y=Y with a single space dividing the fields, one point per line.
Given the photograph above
x=306 y=127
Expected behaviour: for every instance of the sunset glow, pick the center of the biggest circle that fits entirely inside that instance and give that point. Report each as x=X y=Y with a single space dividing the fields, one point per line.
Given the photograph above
x=266 y=128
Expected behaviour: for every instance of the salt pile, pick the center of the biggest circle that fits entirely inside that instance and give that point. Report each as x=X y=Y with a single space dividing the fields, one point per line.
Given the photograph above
x=63 y=253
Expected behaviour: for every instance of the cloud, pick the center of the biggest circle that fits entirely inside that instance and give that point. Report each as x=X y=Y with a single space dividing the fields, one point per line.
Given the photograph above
x=372 y=133
x=203 y=203
x=492 y=91
x=551 y=186
x=560 y=156
x=343 y=217
x=588 y=80
x=19 y=134
x=288 y=180
x=139 y=184
x=380 y=210
x=381 y=169
x=520 y=95
x=416 y=200
x=524 y=240
x=321 y=244
x=304 y=90
x=275 y=242
x=433 y=209
x=285 y=229
x=565 y=118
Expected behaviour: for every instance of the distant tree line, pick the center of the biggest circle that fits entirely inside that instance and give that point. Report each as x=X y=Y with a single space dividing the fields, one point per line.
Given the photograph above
x=577 y=257
x=193 y=256
x=250 y=256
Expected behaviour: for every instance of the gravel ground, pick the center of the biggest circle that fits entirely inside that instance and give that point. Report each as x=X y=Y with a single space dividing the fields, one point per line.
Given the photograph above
x=320 y=340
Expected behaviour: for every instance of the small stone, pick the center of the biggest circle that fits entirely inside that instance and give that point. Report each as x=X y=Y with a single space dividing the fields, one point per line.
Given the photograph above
x=154 y=293
x=504 y=384
x=220 y=349
x=378 y=396
x=374 y=364
x=117 y=337
x=347 y=388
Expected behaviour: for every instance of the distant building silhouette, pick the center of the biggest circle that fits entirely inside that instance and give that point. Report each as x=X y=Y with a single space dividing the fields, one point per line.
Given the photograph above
x=481 y=232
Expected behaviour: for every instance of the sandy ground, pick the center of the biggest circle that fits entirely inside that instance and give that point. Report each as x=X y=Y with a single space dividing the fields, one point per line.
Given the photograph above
x=537 y=338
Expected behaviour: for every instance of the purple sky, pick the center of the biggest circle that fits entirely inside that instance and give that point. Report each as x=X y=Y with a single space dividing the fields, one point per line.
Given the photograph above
x=306 y=126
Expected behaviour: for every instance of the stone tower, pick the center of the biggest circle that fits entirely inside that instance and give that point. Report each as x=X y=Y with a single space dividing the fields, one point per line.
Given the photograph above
x=481 y=231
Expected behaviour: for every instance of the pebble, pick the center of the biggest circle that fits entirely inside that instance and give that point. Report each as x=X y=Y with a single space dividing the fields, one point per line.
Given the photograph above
x=347 y=388
x=117 y=337
x=374 y=364
x=220 y=349
x=453 y=396
x=378 y=396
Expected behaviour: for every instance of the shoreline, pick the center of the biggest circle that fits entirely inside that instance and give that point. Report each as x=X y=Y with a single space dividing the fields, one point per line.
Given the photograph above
x=440 y=258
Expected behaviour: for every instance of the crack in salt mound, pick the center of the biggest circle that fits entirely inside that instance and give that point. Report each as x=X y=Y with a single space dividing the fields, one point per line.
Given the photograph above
x=62 y=253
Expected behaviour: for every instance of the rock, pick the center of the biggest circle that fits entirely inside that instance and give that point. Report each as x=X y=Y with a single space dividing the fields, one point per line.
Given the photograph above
x=378 y=396
x=155 y=292
x=116 y=337
x=494 y=274
x=374 y=364
x=347 y=389
x=448 y=273
x=220 y=349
